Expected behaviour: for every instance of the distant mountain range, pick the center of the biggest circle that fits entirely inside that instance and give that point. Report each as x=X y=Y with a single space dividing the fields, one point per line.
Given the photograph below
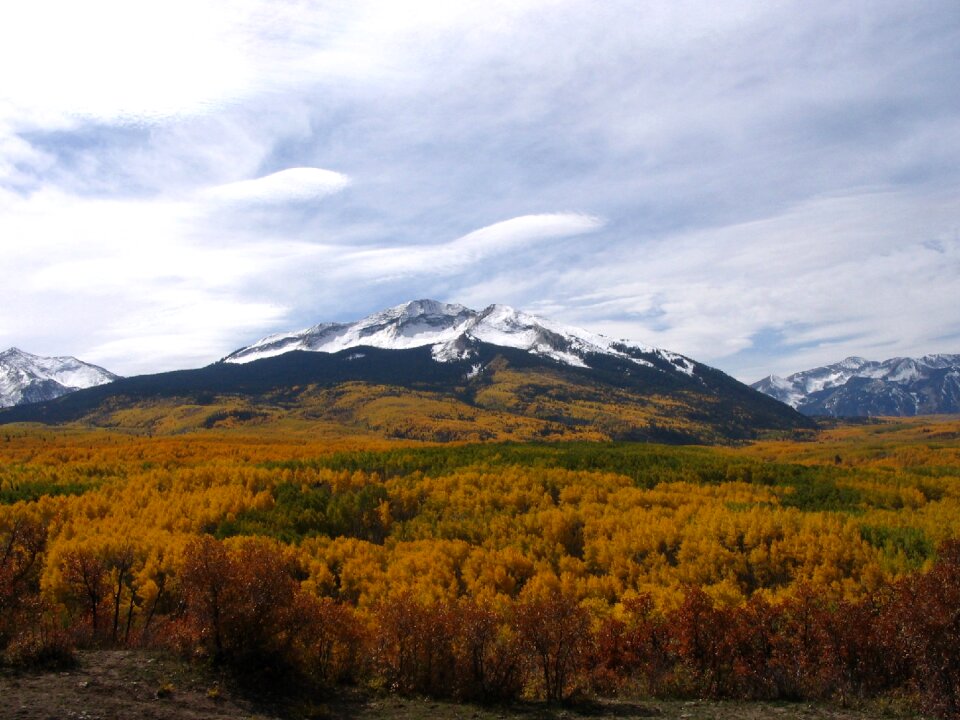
x=858 y=387
x=26 y=378
x=497 y=360
x=430 y=370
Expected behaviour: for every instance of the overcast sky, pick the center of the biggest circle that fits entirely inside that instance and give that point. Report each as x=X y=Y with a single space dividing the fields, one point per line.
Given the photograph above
x=763 y=186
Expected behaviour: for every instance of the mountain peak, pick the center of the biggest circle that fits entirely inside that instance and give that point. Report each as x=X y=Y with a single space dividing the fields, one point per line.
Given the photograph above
x=419 y=308
x=438 y=371
x=14 y=352
x=451 y=330
x=26 y=378
x=499 y=308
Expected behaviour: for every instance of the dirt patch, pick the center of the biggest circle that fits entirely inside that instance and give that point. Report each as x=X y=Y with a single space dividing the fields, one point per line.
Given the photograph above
x=115 y=684
x=137 y=685
x=393 y=708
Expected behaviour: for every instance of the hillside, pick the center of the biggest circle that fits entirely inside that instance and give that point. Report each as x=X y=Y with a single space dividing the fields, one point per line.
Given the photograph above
x=497 y=393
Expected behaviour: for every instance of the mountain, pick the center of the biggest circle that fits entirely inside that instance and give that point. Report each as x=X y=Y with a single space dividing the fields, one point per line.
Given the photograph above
x=432 y=371
x=857 y=387
x=452 y=333
x=26 y=378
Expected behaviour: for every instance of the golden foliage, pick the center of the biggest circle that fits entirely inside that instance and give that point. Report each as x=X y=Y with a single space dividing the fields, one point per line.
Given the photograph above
x=491 y=527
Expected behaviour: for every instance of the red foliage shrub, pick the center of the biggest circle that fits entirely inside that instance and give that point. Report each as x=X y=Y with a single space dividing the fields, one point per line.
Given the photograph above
x=923 y=622
x=554 y=632
x=414 y=645
x=44 y=645
x=240 y=604
x=332 y=644
x=87 y=584
x=827 y=650
x=487 y=653
x=464 y=650
x=636 y=649
x=751 y=632
x=701 y=640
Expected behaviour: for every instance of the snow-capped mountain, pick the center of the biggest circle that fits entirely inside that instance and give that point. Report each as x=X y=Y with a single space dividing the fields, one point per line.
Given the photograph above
x=26 y=378
x=431 y=370
x=452 y=332
x=859 y=387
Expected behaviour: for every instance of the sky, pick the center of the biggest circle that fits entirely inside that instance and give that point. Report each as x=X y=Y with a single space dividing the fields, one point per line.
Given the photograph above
x=762 y=186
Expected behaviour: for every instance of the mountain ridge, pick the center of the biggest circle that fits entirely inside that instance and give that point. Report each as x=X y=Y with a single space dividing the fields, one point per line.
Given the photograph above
x=856 y=386
x=449 y=329
x=446 y=373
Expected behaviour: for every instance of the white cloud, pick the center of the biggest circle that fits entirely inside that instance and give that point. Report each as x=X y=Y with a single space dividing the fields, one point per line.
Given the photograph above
x=519 y=233
x=134 y=61
x=291 y=185
x=524 y=230
x=110 y=59
x=15 y=154
x=94 y=278
x=148 y=285
x=832 y=277
x=179 y=329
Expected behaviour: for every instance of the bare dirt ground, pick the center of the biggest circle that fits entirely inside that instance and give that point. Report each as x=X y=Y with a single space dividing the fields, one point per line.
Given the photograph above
x=129 y=685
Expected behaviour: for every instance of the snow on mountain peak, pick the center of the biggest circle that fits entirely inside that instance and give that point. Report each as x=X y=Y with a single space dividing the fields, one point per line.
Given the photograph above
x=853 y=362
x=897 y=376
x=778 y=382
x=25 y=377
x=450 y=330
x=420 y=308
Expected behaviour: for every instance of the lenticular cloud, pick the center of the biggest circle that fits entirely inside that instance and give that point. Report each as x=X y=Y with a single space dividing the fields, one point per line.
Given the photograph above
x=301 y=184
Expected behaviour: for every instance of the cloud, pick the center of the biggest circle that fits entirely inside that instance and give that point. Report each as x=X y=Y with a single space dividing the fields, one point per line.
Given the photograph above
x=777 y=182
x=520 y=233
x=524 y=230
x=834 y=276
x=178 y=329
x=108 y=280
x=285 y=186
x=112 y=59
x=144 y=285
